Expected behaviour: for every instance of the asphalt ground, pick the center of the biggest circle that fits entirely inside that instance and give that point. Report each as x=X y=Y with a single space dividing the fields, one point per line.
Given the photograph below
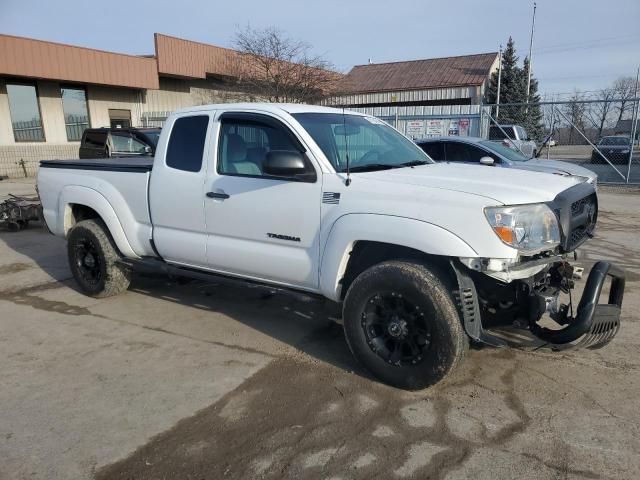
x=225 y=380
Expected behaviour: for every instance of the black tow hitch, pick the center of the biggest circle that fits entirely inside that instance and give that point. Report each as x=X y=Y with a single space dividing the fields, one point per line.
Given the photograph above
x=596 y=323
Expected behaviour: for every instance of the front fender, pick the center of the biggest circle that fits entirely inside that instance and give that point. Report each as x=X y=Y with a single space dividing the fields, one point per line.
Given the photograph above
x=75 y=194
x=406 y=232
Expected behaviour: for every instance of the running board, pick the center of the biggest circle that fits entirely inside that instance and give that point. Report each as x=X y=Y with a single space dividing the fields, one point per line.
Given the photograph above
x=155 y=266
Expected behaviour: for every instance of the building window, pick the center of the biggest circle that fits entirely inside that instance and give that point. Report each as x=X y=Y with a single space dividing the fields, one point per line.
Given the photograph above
x=76 y=115
x=119 y=118
x=25 y=113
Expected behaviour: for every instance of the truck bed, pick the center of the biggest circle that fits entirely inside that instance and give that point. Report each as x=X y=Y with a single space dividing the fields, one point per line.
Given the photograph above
x=121 y=164
x=116 y=188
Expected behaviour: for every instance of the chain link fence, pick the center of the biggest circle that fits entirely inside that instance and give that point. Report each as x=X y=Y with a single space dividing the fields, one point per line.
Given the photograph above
x=601 y=135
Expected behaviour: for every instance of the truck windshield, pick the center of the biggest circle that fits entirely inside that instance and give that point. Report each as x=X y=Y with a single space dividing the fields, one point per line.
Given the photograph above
x=370 y=143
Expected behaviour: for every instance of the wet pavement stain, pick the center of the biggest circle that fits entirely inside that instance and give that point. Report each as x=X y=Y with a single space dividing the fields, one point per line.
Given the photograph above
x=28 y=297
x=299 y=418
x=14 y=268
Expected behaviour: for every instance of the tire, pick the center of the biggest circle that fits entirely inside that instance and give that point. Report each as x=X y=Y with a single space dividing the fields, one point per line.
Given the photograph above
x=93 y=260
x=426 y=324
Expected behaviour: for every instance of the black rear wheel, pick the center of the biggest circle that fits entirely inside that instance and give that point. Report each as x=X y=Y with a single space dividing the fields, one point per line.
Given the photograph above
x=403 y=326
x=93 y=260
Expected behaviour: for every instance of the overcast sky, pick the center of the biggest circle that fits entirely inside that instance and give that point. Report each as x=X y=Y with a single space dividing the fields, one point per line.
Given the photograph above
x=583 y=44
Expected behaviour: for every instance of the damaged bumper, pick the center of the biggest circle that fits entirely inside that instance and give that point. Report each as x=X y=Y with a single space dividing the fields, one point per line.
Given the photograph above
x=593 y=326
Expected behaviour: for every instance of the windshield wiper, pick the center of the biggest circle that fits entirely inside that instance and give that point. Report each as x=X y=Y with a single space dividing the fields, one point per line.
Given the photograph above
x=372 y=167
x=414 y=163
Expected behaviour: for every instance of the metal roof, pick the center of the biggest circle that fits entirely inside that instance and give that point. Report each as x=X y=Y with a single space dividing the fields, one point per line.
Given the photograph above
x=26 y=57
x=420 y=74
x=176 y=57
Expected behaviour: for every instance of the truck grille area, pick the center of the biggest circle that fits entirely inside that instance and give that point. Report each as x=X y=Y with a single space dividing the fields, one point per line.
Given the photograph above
x=577 y=212
x=579 y=206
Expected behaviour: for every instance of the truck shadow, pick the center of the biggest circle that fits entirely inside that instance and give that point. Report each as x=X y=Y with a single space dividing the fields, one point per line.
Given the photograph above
x=306 y=324
x=309 y=325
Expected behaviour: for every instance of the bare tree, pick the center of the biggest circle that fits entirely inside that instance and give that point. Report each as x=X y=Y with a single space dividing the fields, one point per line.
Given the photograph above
x=598 y=114
x=281 y=69
x=624 y=88
x=575 y=112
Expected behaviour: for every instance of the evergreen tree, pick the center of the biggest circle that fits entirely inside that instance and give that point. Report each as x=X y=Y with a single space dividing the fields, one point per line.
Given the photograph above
x=513 y=89
x=533 y=115
x=511 y=81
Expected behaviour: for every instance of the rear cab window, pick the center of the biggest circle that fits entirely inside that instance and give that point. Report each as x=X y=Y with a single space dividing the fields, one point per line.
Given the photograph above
x=501 y=133
x=93 y=139
x=186 y=143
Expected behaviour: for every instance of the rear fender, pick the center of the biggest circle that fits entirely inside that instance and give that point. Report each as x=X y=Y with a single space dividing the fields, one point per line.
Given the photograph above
x=77 y=195
x=406 y=232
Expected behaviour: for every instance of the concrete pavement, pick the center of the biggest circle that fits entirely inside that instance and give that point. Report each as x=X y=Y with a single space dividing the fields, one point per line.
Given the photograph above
x=220 y=380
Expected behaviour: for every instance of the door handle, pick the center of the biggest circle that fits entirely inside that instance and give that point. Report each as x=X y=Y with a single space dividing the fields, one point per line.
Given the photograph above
x=222 y=196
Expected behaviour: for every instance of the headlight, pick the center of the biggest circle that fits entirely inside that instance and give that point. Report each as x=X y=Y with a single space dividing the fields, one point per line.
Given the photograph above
x=529 y=228
x=582 y=179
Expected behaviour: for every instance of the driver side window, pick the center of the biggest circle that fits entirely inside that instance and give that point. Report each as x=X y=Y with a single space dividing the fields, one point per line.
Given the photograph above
x=243 y=146
x=460 y=152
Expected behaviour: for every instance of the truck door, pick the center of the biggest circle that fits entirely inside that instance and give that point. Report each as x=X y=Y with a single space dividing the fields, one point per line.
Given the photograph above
x=261 y=226
x=176 y=191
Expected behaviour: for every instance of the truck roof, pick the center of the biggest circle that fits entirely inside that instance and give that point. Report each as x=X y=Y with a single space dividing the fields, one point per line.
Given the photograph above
x=267 y=107
x=122 y=129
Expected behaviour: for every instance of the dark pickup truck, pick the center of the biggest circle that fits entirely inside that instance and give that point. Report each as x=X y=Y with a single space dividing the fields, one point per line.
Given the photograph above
x=118 y=142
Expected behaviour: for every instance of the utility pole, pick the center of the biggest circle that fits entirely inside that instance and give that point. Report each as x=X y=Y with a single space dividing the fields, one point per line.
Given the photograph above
x=634 y=124
x=533 y=25
x=499 y=83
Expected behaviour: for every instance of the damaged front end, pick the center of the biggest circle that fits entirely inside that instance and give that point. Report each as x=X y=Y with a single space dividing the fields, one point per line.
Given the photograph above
x=487 y=304
x=525 y=292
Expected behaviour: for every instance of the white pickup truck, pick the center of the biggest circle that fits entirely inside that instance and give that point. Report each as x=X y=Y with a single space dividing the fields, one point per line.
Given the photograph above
x=424 y=258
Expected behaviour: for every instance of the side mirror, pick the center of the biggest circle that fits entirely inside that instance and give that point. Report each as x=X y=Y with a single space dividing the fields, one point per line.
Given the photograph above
x=284 y=163
x=487 y=161
x=148 y=150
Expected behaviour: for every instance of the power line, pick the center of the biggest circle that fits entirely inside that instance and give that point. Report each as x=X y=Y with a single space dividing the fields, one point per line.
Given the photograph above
x=585 y=46
x=588 y=42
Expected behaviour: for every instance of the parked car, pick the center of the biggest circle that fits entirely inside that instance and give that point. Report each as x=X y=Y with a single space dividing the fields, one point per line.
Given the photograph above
x=479 y=151
x=421 y=256
x=514 y=136
x=118 y=142
x=614 y=148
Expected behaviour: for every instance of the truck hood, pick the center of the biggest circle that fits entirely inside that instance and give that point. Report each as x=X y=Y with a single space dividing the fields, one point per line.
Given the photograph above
x=557 y=167
x=508 y=186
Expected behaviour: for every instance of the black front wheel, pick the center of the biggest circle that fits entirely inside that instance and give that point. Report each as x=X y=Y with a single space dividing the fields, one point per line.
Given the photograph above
x=403 y=326
x=93 y=260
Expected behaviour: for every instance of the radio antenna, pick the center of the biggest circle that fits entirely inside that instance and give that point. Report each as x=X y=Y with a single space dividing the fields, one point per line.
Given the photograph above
x=346 y=141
